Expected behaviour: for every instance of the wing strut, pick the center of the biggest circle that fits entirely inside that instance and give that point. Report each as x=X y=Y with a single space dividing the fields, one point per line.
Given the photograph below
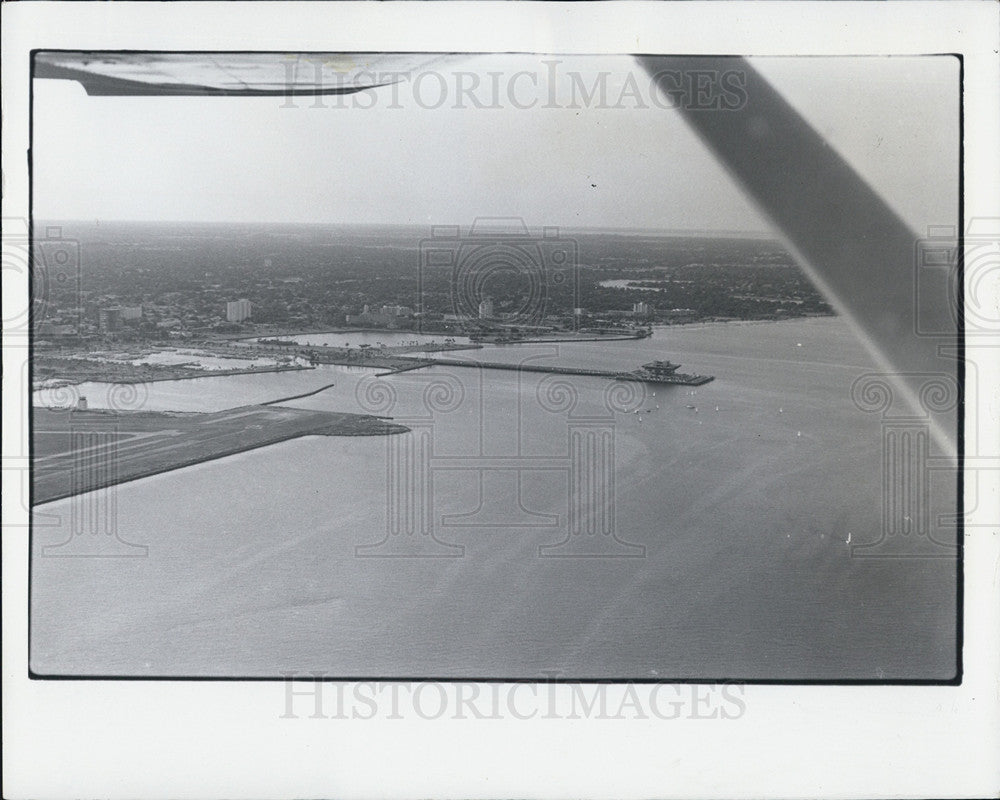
x=855 y=248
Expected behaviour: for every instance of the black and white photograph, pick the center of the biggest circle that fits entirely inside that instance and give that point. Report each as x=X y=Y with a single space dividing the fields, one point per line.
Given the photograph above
x=350 y=417
x=499 y=382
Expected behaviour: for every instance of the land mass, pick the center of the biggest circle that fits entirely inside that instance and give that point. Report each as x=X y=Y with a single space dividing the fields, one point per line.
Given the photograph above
x=57 y=370
x=164 y=283
x=79 y=451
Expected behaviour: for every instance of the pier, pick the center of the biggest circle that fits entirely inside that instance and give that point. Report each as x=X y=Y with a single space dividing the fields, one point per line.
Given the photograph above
x=663 y=372
x=646 y=374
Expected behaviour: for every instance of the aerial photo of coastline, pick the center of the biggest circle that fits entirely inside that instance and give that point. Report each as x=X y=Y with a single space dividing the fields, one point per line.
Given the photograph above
x=608 y=428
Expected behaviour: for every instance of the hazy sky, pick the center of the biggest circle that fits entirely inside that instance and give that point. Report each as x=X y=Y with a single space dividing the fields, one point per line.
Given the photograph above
x=414 y=157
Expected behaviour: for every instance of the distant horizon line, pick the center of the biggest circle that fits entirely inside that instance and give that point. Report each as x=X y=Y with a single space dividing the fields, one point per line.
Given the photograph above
x=732 y=232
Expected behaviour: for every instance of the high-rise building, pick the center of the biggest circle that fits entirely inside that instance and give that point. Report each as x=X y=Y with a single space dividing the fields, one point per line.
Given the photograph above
x=109 y=319
x=641 y=309
x=486 y=309
x=131 y=312
x=238 y=310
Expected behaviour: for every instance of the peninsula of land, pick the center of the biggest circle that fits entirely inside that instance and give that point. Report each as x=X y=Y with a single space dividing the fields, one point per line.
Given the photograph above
x=79 y=451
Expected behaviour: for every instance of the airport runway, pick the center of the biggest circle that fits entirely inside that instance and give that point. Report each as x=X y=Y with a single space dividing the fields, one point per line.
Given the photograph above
x=79 y=451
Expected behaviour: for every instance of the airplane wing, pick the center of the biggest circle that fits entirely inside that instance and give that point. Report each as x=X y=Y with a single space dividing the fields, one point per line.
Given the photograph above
x=853 y=246
x=229 y=74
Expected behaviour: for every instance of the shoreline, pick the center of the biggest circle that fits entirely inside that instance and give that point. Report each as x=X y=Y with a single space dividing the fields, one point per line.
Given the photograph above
x=739 y=322
x=333 y=331
x=143 y=444
x=366 y=358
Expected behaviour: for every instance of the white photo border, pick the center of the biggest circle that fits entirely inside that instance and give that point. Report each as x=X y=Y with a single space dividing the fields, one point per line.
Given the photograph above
x=192 y=739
